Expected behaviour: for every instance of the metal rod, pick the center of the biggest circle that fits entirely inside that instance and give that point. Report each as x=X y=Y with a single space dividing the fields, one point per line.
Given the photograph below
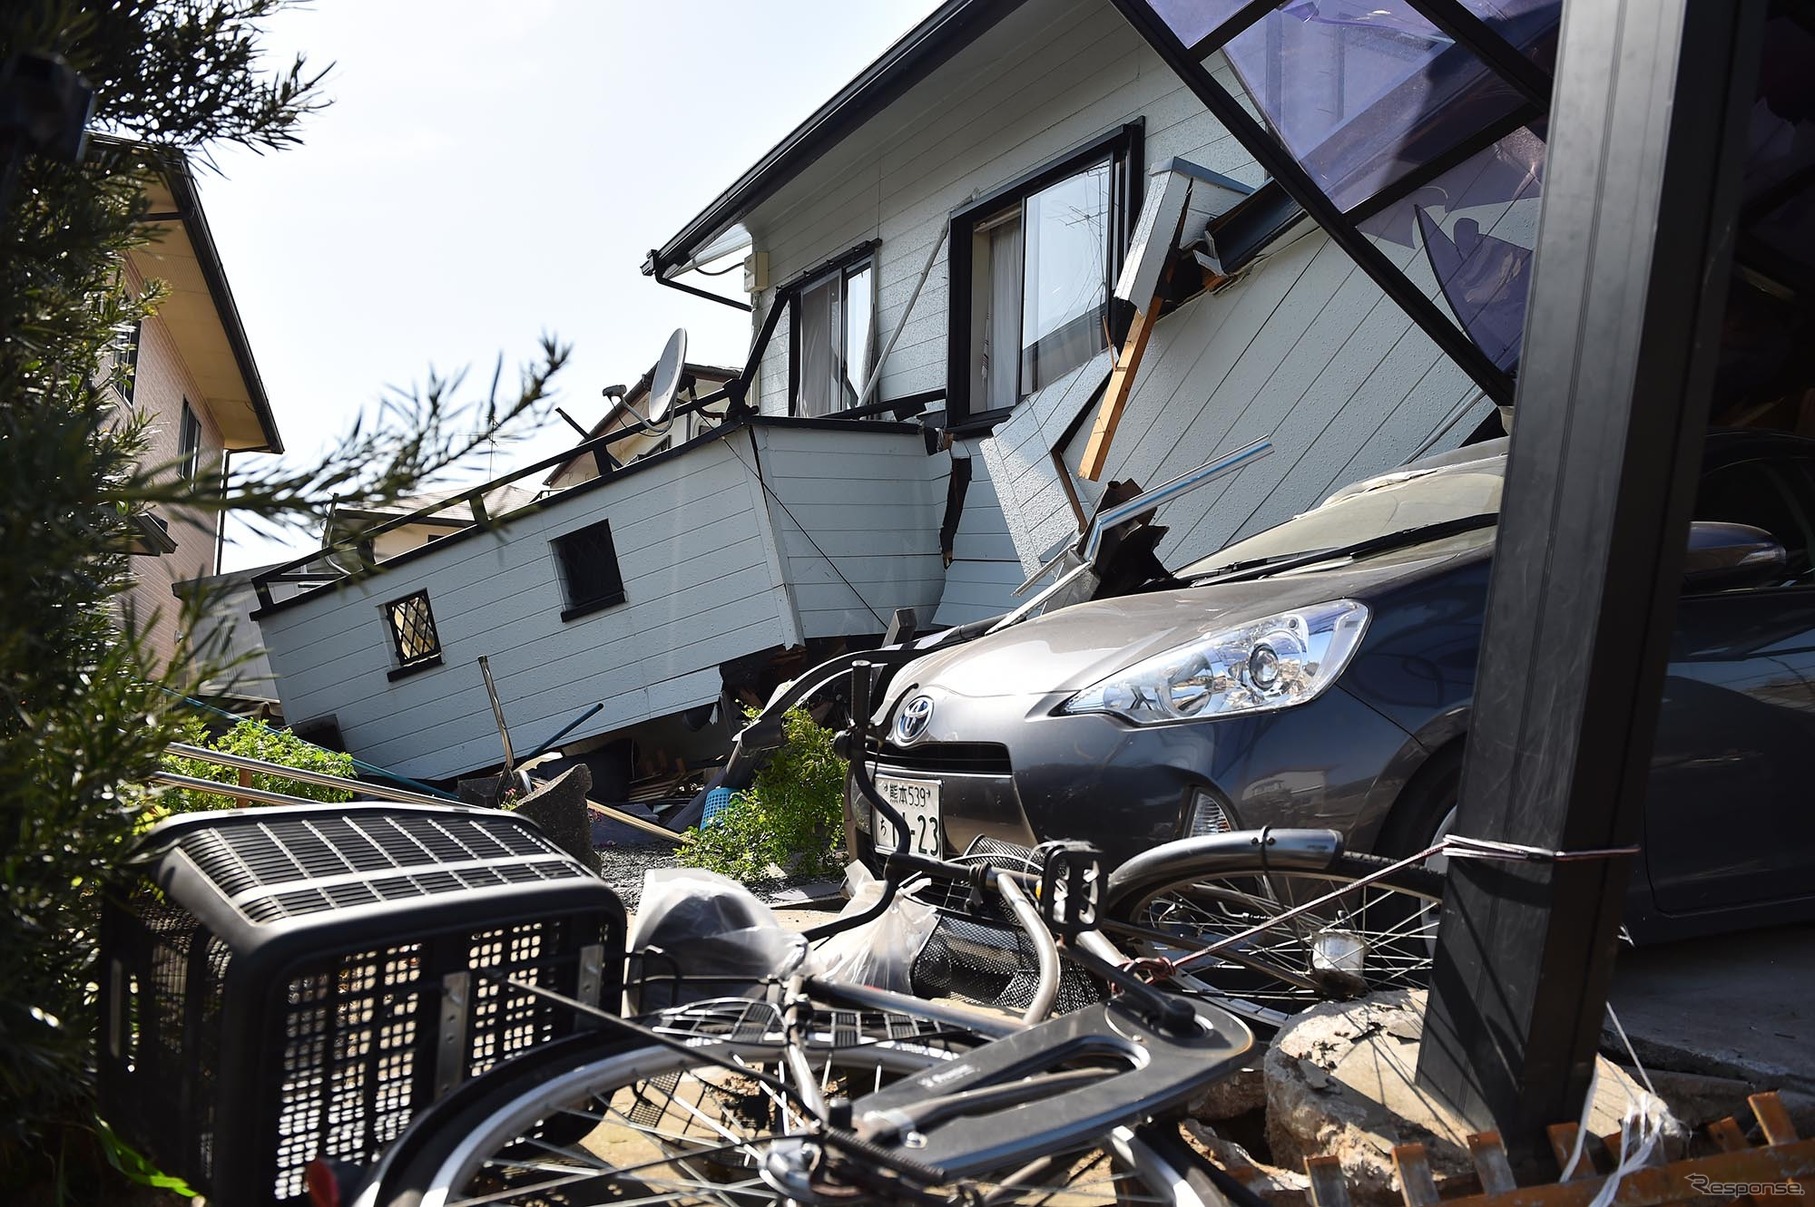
x=869 y=387
x=244 y=763
x=1185 y=482
x=1044 y=948
x=564 y=731
x=216 y=788
x=491 y=693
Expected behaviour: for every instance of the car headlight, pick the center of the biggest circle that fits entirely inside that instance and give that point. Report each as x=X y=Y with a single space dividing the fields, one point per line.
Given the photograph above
x=1274 y=662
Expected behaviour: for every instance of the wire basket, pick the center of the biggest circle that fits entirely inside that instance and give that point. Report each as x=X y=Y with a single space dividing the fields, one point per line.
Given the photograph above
x=280 y=984
x=977 y=951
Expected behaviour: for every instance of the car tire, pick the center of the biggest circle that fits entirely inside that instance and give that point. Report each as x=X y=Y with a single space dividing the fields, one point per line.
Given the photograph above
x=1425 y=810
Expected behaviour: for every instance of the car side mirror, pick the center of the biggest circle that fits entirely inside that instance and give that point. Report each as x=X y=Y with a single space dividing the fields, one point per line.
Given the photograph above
x=1726 y=557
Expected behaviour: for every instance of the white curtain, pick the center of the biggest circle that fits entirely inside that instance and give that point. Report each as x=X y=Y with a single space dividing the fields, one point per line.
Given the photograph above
x=816 y=342
x=1001 y=360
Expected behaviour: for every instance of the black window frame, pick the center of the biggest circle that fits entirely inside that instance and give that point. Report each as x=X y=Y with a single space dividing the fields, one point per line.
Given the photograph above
x=597 y=596
x=1125 y=146
x=189 y=443
x=408 y=664
x=841 y=266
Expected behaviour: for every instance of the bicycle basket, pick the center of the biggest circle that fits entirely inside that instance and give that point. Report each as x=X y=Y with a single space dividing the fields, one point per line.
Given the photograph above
x=977 y=952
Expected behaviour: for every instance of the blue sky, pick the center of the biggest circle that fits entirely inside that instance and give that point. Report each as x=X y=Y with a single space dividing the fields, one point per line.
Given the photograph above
x=489 y=172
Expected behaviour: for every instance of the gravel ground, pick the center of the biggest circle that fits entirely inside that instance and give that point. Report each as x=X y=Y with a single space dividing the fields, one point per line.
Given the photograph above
x=623 y=865
x=625 y=862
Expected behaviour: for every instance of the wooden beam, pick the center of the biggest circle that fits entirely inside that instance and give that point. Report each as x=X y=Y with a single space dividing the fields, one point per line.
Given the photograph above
x=1115 y=397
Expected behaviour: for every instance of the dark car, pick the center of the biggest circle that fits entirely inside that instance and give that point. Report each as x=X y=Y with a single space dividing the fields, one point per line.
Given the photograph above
x=1320 y=674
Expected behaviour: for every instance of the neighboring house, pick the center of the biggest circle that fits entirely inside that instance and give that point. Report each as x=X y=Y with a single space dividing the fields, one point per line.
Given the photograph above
x=379 y=534
x=933 y=262
x=194 y=378
x=639 y=439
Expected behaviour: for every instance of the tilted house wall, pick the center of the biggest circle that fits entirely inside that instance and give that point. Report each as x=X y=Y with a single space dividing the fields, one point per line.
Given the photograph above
x=718 y=548
x=1302 y=347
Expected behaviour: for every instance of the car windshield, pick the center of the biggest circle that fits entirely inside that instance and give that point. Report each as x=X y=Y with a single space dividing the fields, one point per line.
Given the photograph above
x=1406 y=500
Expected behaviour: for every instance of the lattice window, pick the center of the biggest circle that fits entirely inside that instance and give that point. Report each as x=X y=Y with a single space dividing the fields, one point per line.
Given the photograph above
x=589 y=569
x=412 y=626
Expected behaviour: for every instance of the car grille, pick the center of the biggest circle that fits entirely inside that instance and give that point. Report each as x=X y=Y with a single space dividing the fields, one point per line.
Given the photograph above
x=969 y=758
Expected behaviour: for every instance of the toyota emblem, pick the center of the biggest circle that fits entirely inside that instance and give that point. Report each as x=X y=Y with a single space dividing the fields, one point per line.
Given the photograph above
x=912 y=720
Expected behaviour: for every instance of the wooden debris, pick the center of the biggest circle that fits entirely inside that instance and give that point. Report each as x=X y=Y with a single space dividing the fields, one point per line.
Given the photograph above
x=1773 y=1119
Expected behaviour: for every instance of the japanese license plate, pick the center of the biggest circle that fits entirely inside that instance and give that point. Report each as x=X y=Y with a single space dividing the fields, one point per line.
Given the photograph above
x=918 y=802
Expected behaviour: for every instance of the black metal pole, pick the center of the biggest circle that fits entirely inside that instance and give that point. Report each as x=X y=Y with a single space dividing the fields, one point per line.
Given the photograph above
x=1646 y=139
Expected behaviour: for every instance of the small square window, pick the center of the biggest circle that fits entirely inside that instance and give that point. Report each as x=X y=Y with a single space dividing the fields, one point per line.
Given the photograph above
x=413 y=637
x=589 y=570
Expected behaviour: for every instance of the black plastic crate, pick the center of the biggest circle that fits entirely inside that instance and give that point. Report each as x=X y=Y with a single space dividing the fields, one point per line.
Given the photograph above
x=279 y=984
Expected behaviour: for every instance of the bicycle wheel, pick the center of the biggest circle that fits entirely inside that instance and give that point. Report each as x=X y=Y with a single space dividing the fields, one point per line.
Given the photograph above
x=1366 y=937
x=592 y=1122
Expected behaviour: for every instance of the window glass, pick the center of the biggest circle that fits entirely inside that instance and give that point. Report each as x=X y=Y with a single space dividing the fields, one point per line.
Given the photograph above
x=1414 y=501
x=834 y=334
x=818 y=330
x=189 y=443
x=412 y=626
x=859 y=309
x=998 y=350
x=1065 y=277
x=1363 y=91
x=590 y=578
x=1191 y=21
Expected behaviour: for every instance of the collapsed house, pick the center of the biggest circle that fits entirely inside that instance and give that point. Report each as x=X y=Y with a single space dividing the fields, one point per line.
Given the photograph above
x=1016 y=259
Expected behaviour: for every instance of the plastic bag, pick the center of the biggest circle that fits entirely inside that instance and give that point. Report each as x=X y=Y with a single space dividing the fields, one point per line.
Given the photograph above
x=701 y=935
x=882 y=951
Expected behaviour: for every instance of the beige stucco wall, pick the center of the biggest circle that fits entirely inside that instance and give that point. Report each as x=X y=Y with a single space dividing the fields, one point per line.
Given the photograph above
x=160 y=385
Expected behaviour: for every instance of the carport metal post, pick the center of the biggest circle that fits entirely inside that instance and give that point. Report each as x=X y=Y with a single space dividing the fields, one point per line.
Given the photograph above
x=1641 y=194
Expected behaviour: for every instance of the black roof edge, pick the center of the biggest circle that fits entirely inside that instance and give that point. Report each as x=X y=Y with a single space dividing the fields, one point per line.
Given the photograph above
x=923 y=49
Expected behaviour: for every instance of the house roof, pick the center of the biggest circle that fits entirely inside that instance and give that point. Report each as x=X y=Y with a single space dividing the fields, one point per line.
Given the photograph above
x=199 y=309
x=923 y=49
x=717 y=374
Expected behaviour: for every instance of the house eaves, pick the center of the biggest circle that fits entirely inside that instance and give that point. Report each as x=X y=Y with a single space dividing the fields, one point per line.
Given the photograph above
x=199 y=309
x=926 y=47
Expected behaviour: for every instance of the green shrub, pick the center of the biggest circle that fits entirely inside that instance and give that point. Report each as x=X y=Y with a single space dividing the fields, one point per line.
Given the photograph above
x=257 y=741
x=791 y=818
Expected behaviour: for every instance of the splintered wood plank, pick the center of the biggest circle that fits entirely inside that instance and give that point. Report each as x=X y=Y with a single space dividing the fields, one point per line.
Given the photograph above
x=1115 y=396
x=1727 y=1134
x=1328 y=1189
x=1773 y=1119
x=1416 y=1185
x=1491 y=1164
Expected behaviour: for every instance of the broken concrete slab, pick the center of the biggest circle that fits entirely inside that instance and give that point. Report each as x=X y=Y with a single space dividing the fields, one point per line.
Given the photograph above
x=1340 y=1081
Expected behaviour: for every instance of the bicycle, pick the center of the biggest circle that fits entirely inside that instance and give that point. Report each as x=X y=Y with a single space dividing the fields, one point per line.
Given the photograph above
x=809 y=1091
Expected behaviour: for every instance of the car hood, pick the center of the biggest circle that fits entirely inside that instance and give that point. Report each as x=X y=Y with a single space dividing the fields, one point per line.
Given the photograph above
x=1074 y=647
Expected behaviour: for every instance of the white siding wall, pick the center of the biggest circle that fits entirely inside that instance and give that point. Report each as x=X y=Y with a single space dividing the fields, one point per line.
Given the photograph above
x=872 y=503
x=985 y=569
x=1051 y=75
x=691 y=541
x=1305 y=349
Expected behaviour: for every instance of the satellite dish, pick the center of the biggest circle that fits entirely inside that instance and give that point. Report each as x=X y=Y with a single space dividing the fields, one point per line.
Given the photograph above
x=665 y=381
